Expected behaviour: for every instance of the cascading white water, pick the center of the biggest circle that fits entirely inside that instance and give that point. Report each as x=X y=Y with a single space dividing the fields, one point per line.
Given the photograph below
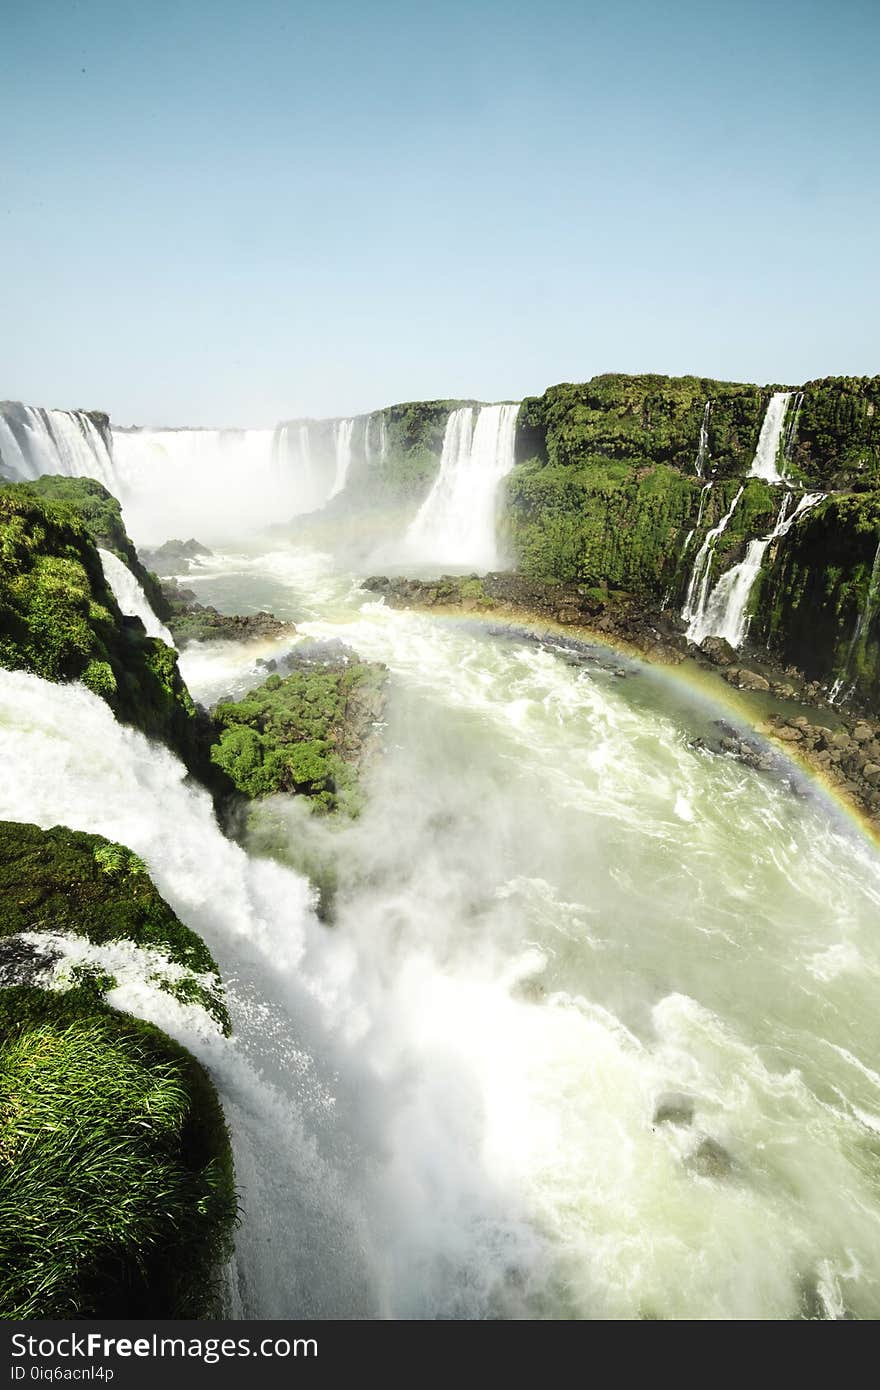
x=457 y=521
x=726 y=614
x=764 y=464
x=129 y=594
x=342 y=440
x=34 y=441
x=377 y=454
x=704 y=493
x=793 y=419
x=703 y=446
x=213 y=483
x=698 y=586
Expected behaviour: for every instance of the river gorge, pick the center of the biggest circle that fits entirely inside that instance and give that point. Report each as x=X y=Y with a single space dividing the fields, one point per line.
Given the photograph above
x=530 y=996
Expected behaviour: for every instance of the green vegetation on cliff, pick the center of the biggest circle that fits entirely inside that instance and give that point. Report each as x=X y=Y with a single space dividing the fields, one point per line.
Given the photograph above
x=837 y=440
x=304 y=733
x=643 y=420
x=59 y=619
x=606 y=492
x=102 y=515
x=614 y=525
x=818 y=601
x=66 y=881
x=116 y=1184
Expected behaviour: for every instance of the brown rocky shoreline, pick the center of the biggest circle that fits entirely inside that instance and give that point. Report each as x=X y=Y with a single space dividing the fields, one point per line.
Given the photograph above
x=191 y=621
x=842 y=746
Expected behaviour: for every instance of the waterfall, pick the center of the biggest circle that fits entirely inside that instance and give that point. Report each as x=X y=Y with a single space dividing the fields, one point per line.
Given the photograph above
x=343 y=434
x=767 y=452
x=726 y=614
x=698 y=587
x=371 y=455
x=456 y=522
x=703 y=446
x=130 y=596
x=215 y=483
x=704 y=493
x=34 y=441
x=794 y=416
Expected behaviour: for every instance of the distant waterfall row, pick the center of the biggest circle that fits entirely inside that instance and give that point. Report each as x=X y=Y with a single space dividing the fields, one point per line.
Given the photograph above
x=219 y=483
x=35 y=441
x=194 y=481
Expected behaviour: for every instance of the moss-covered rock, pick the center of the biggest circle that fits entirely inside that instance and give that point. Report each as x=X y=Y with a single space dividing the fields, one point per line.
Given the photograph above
x=609 y=489
x=66 y=881
x=102 y=515
x=175 y=555
x=116 y=1183
x=305 y=732
x=836 y=441
x=59 y=619
x=644 y=420
x=818 y=599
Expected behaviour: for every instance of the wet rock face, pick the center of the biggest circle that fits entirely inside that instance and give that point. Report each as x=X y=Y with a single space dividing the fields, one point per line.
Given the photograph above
x=174 y=556
x=848 y=757
x=674 y=1108
x=718 y=650
x=745 y=679
x=710 y=1160
x=617 y=615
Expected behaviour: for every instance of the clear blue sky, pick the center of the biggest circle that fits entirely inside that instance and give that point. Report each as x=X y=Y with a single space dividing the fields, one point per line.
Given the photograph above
x=227 y=213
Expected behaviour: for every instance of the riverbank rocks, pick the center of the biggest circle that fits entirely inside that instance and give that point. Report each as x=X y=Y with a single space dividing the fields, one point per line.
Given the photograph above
x=718 y=650
x=175 y=555
x=191 y=621
x=615 y=615
x=744 y=679
x=847 y=756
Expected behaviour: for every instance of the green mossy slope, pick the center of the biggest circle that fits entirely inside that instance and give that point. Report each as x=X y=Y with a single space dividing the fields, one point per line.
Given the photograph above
x=837 y=440
x=63 y=880
x=59 y=620
x=302 y=733
x=102 y=515
x=606 y=492
x=819 y=598
x=116 y=1184
x=643 y=420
